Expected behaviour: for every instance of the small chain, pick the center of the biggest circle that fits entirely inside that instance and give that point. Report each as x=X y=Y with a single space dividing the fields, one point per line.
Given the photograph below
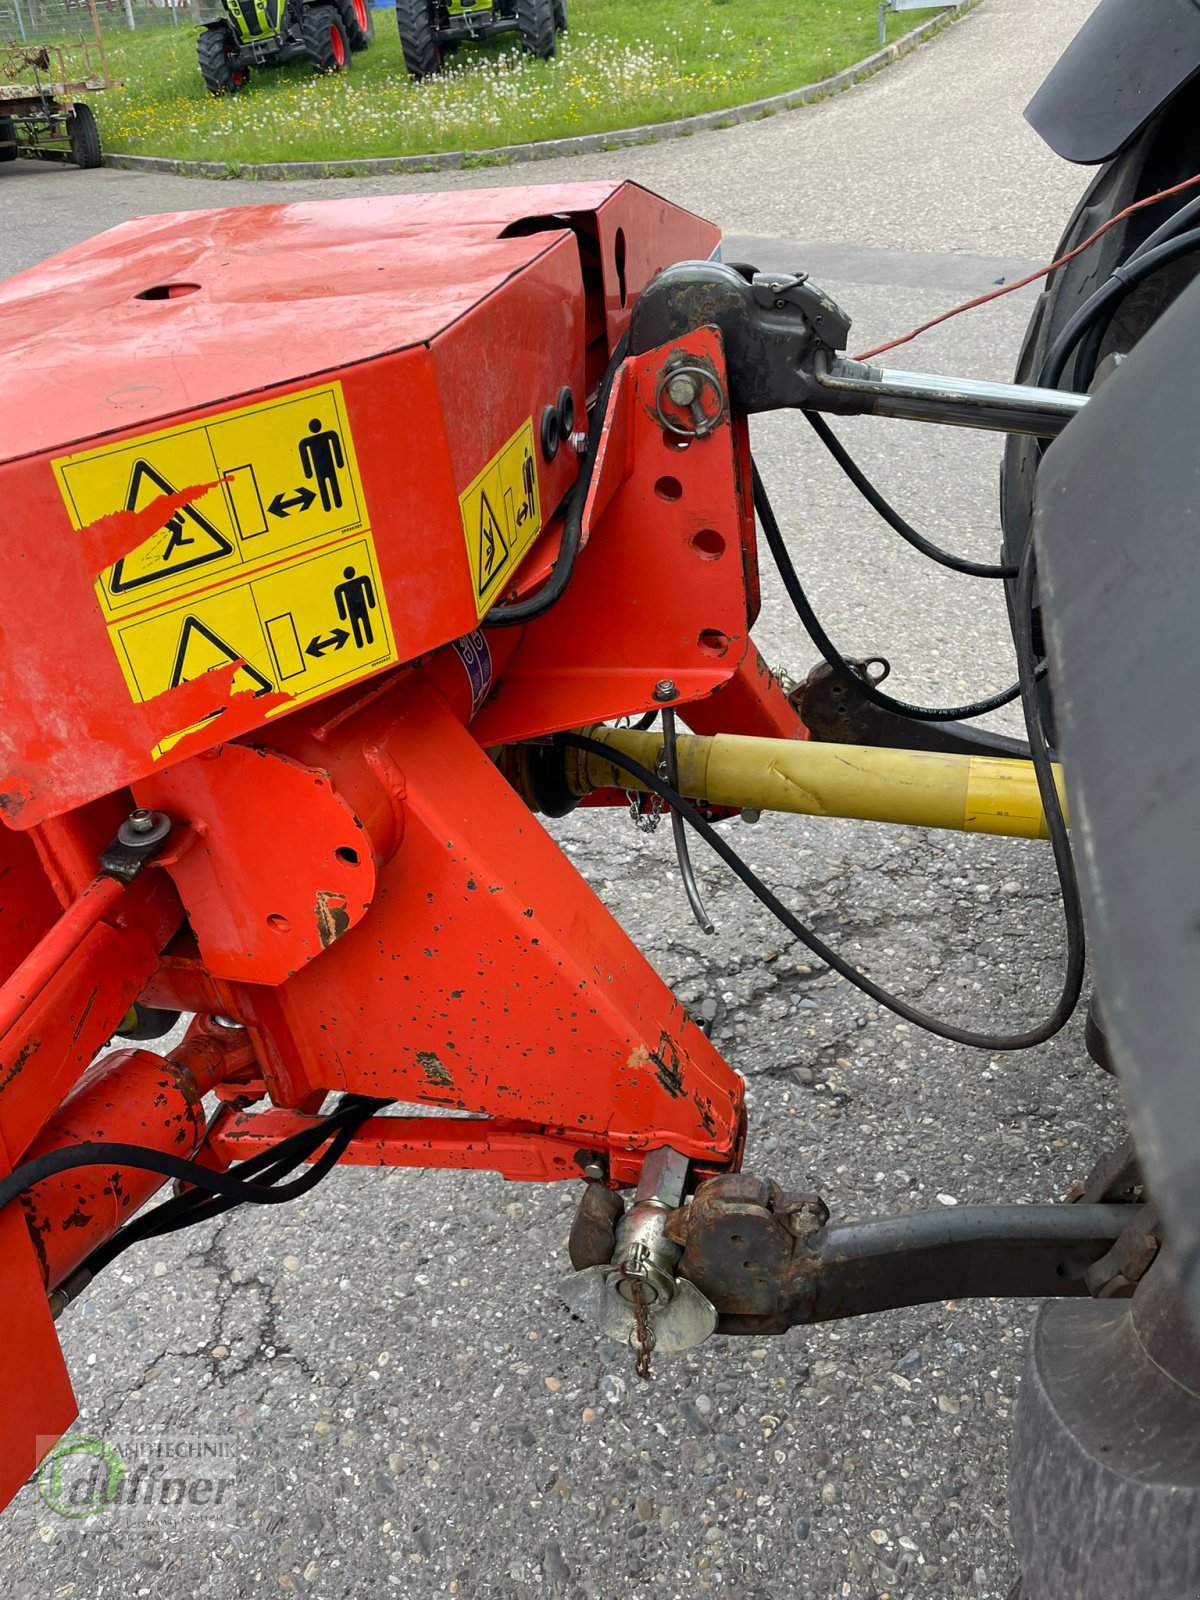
x=643 y=1335
x=644 y=821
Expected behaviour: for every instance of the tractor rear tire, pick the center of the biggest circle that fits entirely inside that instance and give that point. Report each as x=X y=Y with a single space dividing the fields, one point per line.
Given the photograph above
x=8 y=139
x=422 y=53
x=84 y=136
x=560 y=16
x=535 y=24
x=358 y=22
x=325 y=41
x=217 y=52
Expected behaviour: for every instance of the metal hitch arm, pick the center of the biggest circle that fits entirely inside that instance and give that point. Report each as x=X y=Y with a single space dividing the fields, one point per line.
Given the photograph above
x=762 y=1260
x=784 y=339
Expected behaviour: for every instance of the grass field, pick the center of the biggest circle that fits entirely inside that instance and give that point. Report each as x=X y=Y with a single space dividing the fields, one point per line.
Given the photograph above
x=624 y=62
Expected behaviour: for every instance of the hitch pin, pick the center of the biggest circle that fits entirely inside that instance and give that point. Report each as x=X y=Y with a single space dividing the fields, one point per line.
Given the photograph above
x=678 y=826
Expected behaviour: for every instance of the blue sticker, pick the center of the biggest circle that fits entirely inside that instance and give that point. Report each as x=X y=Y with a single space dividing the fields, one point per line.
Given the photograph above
x=476 y=656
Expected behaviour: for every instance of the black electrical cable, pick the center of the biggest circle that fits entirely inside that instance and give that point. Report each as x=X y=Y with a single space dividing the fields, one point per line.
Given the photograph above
x=1108 y=296
x=836 y=662
x=884 y=508
x=981 y=1041
x=93 y=1153
x=517 y=612
x=194 y=1206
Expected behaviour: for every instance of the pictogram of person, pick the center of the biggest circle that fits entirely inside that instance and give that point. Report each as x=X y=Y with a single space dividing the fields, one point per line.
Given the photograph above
x=321 y=457
x=355 y=599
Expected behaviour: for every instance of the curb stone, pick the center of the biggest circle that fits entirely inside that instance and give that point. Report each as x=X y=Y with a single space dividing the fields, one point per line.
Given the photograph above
x=548 y=149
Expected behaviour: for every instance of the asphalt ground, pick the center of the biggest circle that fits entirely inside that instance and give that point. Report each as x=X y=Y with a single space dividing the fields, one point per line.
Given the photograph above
x=409 y=1409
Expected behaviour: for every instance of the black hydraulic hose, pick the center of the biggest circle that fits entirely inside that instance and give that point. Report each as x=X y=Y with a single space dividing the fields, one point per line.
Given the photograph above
x=884 y=508
x=813 y=941
x=836 y=662
x=1108 y=296
x=92 y=1153
x=516 y=612
x=1088 y=354
x=195 y=1205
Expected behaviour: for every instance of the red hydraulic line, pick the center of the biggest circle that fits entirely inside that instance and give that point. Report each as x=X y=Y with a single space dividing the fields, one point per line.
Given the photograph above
x=55 y=948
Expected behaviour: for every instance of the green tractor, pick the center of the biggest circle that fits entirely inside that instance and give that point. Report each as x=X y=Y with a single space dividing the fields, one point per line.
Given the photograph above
x=430 y=30
x=264 y=33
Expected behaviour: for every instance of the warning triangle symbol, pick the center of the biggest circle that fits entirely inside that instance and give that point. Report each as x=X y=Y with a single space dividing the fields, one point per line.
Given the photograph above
x=200 y=650
x=493 y=546
x=186 y=540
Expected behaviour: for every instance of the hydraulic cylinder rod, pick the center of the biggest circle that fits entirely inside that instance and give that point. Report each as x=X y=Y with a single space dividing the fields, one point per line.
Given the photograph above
x=919 y=788
x=959 y=402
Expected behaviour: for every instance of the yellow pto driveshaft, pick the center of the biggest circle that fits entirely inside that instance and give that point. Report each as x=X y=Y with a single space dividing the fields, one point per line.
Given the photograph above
x=920 y=788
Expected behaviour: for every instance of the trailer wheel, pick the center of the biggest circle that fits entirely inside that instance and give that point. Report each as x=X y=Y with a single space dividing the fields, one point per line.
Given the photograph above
x=84 y=136
x=422 y=53
x=358 y=22
x=217 y=54
x=535 y=24
x=8 y=139
x=560 y=16
x=325 y=40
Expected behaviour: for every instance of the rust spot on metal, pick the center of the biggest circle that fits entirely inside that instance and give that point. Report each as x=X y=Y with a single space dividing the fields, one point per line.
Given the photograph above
x=704 y=1111
x=22 y=1056
x=84 y=1015
x=333 y=919
x=435 y=1071
x=668 y=1068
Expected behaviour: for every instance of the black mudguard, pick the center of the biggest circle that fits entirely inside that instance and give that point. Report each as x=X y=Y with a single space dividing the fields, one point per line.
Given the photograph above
x=1128 y=61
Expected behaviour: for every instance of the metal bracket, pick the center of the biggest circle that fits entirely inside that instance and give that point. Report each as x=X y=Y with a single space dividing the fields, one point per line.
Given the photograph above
x=139 y=838
x=835 y=713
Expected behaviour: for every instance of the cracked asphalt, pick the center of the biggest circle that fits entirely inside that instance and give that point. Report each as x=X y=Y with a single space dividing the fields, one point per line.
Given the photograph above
x=409 y=1409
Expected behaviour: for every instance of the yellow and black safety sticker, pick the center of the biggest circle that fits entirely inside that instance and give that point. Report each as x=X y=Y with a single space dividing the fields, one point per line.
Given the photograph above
x=274 y=565
x=501 y=515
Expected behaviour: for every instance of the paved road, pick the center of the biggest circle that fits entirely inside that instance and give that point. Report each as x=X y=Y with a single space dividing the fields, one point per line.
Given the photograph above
x=412 y=1413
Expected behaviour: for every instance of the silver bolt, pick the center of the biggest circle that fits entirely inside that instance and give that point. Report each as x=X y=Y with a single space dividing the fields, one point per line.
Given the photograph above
x=219 y=1021
x=141 y=821
x=578 y=443
x=594 y=1172
x=682 y=389
x=751 y=814
x=665 y=689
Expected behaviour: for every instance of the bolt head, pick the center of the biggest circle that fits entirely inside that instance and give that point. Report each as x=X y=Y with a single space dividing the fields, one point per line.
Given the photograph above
x=682 y=389
x=594 y=1172
x=666 y=689
x=141 y=820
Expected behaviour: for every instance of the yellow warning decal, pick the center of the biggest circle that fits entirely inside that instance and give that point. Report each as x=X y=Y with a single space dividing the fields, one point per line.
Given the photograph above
x=501 y=515
x=305 y=628
x=273 y=565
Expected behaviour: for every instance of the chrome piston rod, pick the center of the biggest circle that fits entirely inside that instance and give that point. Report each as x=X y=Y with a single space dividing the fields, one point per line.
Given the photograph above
x=958 y=402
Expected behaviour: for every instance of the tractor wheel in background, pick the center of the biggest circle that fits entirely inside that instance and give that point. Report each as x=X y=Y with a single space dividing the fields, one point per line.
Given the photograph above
x=535 y=24
x=217 y=53
x=1165 y=154
x=422 y=53
x=325 y=41
x=84 y=136
x=560 y=16
x=358 y=22
x=8 y=139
